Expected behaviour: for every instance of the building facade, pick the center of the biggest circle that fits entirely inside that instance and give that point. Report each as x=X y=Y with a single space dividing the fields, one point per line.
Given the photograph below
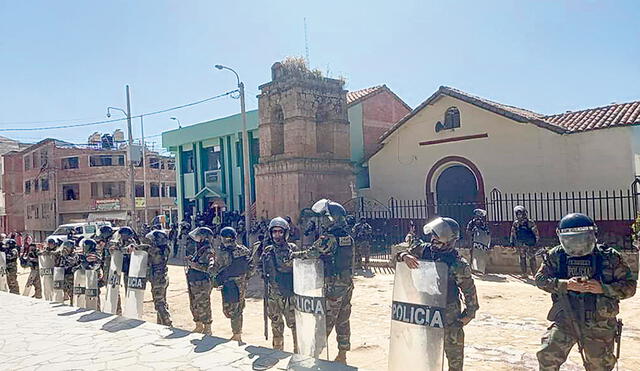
x=209 y=166
x=6 y=145
x=54 y=183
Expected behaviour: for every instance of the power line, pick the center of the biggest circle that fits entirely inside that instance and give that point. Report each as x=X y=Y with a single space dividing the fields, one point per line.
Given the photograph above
x=124 y=118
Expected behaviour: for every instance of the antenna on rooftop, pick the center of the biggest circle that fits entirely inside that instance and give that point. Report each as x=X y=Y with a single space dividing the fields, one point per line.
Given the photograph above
x=306 y=43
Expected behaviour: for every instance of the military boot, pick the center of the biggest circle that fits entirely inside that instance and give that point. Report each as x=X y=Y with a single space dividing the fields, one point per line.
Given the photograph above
x=237 y=337
x=278 y=343
x=207 y=329
x=199 y=327
x=341 y=357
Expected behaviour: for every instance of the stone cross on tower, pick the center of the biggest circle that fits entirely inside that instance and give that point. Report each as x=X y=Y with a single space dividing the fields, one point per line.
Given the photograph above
x=304 y=142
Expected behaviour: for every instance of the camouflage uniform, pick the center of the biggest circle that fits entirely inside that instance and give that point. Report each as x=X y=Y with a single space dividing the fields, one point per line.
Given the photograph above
x=199 y=284
x=67 y=262
x=596 y=313
x=460 y=283
x=276 y=266
x=524 y=236
x=12 y=268
x=157 y=272
x=31 y=261
x=336 y=251
x=362 y=235
x=231 y=268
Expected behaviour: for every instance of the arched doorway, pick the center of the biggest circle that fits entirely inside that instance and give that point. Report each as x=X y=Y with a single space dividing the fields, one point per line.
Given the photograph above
x=457 y=193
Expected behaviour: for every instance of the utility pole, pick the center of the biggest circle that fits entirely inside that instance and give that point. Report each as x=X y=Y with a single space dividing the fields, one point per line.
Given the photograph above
x=132 y=184
x=144 y=172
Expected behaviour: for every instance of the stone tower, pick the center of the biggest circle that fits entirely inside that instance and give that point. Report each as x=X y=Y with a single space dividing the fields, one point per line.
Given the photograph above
x=304 y=142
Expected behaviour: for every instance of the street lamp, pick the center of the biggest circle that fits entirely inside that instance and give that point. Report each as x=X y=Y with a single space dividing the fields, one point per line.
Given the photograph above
x=176 y=119
x=245 y=152
x=132 y=184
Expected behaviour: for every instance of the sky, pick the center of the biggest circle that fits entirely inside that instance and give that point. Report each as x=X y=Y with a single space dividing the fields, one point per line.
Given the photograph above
x=65 y=62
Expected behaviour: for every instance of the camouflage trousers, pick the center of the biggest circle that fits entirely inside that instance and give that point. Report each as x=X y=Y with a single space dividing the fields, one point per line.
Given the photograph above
x=279 y=306
x=159 y=294
x=454 y=347
x=233 y=311
x=339 y=310
x=362 y=250
x=558 y=341
x=528 y=255
x=200 y=301
x=67 y=287
x=12 y=278
x=34 y=280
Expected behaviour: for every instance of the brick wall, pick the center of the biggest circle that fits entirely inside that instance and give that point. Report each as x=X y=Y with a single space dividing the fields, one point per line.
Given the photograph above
x=380 y=112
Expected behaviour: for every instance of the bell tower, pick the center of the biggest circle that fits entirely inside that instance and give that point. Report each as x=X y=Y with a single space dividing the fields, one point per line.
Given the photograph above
x=304 y=141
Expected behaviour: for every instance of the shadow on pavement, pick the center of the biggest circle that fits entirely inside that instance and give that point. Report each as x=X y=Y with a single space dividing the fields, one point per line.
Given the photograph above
x=266 y=357
x=121 y=323
x=207 y=343
x=177 y=333
x=77 y=311
x=526 y=280
x=94 y=316
x=490 y=277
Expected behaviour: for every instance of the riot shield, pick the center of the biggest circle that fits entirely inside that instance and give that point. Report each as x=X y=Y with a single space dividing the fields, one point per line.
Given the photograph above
x=113 y=283
x=136 y=284
x=417 y=317
x=79 y=288
x=46 y=263
x=58 y=285
x=481 y=239
x=310 y=306
x=91 y=293
x=3 y=272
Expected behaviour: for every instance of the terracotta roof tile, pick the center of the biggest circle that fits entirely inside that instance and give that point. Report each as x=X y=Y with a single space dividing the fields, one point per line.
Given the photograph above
x=356 y=95
x=622 y=114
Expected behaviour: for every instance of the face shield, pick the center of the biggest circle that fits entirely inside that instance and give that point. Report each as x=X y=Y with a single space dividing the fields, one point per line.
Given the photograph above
x=578 y=241
x=444 y=233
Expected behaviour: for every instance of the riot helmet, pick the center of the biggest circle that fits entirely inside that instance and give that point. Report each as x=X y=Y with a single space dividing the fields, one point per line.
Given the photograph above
x=89 y=246
x=126 y=234
x=281 y=223
x=10 y=243
x=201 y=234
x=577 y=234
x=444 y=232
x=67 y=247
x=157 y=238
x=480 y=213
x=228 y=236
x=333 y=214
x=520 y=212
x=105 y=232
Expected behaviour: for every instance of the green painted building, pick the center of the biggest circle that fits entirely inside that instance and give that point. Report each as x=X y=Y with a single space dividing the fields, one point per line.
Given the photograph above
x=209 y=164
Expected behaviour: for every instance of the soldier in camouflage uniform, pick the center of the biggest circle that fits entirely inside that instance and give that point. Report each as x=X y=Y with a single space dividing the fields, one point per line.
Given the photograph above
x=586 y=282
x=158 y=256
x=361 y=233
x=199 y=279
x=10 y=248
x=29 y=259
x=524 y=236
x=444 y=232
x=103 y=238
x=230 y=269
x=276 y=267
x=67 y=258
x=336 y=249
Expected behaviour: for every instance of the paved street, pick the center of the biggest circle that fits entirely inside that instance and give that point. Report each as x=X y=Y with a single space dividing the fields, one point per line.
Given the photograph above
x=38 y=335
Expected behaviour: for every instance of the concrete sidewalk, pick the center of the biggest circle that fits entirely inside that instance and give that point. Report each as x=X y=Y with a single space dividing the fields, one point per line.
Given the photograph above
x=39 y=335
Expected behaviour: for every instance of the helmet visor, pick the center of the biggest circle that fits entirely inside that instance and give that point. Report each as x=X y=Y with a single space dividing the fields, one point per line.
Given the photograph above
x=196 y=235
x=578 y=243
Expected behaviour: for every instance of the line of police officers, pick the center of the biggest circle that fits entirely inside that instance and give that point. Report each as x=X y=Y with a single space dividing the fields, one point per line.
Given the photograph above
x=587 y=280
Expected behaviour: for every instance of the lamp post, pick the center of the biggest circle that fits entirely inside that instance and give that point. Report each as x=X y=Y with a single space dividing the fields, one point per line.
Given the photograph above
x=132 y=185
x=176 y=119
x=245 y=152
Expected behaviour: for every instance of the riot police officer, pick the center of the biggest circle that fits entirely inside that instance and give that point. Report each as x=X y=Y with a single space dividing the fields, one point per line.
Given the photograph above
x=10 y=248
x=586 y=281
x=230 y=269
x=443 y=234
x=67 y=258
x=159 y=251
x=199 y=279
x=276 y=266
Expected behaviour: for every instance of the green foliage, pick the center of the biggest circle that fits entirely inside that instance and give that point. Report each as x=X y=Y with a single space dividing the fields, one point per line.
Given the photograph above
x=635 y=227
x=298 y=66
